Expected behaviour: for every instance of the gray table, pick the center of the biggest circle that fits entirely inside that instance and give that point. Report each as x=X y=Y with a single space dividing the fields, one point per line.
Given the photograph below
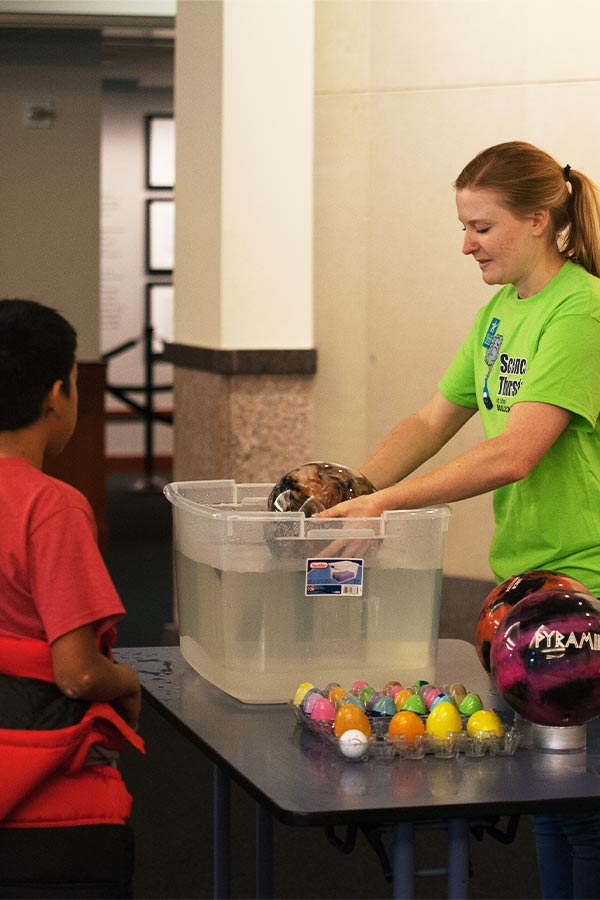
x=293 y=777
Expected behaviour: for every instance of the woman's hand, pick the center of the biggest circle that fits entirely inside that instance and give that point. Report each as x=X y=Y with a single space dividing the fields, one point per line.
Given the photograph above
x=367 y=506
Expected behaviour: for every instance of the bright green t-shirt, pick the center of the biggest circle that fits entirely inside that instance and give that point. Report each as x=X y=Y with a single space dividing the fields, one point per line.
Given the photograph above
x=544 y=348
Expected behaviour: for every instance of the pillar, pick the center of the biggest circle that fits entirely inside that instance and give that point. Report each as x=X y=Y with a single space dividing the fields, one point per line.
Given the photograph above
x=243 y=328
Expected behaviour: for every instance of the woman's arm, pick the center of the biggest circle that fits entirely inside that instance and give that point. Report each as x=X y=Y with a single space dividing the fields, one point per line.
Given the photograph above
x=82 y=672
x=415 y=440
x=530 y=431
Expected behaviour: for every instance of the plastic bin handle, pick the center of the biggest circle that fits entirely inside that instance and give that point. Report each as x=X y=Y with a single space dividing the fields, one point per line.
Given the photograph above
x=339 y=533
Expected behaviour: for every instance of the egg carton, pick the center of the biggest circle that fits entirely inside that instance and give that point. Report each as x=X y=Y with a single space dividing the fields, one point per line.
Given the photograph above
x=382 y=746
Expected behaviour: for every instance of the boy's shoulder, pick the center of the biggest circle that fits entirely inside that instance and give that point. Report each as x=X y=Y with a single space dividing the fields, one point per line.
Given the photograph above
x=32 y=486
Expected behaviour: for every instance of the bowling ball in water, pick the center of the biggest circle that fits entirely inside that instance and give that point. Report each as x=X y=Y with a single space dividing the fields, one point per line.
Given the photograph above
x=545 y=657
x=504 y=596
x=316 y=486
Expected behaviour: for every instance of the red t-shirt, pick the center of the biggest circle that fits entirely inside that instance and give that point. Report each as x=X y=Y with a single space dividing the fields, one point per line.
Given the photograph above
x=52 y=576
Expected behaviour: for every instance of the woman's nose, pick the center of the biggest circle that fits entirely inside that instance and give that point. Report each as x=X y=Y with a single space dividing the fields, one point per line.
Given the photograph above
x=469 y=245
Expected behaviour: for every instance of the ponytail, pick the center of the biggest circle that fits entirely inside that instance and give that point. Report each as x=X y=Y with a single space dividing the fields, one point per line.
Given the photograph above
x=580 y=241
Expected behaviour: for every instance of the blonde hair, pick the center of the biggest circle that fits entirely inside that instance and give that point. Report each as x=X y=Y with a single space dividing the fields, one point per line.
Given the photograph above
x=530 y=179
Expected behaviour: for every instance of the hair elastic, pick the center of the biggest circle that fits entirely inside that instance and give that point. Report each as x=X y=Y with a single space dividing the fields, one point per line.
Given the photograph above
x=566 y=172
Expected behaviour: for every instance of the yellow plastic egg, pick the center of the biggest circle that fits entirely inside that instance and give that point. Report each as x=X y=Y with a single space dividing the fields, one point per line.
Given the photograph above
x=301 y=691
x=443 y=719
x=485 y=720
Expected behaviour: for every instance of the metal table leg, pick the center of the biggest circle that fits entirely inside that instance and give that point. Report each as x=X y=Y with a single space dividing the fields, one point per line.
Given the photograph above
x=221 y=835
x=458 y=859
x=403 y=862
x=264 y=853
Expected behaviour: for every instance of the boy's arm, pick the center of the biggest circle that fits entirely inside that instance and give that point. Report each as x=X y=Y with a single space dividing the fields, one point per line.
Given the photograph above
x=83 y=673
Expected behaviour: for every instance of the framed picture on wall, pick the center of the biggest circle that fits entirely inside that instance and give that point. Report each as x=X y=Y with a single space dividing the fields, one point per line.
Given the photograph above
x=160 y=236
x=160 y=152
x=159 y=305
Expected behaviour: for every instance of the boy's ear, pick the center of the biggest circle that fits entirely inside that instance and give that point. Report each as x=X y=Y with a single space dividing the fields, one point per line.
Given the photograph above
x=53 y=396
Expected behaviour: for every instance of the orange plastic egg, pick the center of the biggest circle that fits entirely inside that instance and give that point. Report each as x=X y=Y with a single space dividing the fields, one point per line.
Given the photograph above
x=401 y=696
x=335 y=695
x=406 y=723
x=350 y=716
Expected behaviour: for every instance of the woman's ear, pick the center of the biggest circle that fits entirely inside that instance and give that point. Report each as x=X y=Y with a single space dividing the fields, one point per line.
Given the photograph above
x=541 y=220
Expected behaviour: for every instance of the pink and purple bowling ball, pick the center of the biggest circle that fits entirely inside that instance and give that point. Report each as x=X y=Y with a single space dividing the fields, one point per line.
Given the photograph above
x=503 y=597
x=545 y=657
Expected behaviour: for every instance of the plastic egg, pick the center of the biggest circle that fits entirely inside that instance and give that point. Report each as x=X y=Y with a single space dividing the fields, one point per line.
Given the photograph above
x=330 y=686
x=385 y=706
x=336 y=694
x=387 y=688
x=301 y=691
x=485 y=720
x=323 y=710
x=443 y=698
x=354 y=744
x=406 y=723
x=419 y=684
x=355 y=701
x=431 y=694
x=457 y=691
x=373 y=699
x=366 y=693
x=401 y=697
x=415 y=704
x=349 y=716
x=470 y=704
x=394 y=691
x=356 y=687
x=310 y=698
x=443 y=719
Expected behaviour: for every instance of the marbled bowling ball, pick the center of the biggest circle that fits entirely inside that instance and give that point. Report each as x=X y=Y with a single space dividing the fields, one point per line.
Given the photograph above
x=316 y=486
x=504 y=596
x=545 y=657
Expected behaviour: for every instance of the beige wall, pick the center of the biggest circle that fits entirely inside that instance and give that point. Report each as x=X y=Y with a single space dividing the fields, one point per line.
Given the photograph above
x=406 y=93
x=49 y=227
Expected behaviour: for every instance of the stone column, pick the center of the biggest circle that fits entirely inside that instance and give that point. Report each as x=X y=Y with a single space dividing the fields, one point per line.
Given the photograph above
x=243 y=347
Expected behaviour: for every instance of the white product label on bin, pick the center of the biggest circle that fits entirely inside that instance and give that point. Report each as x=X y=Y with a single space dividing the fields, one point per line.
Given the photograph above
x=334 y=575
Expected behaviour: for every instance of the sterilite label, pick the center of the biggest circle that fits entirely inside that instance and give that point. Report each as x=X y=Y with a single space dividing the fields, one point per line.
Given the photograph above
x=334 y=575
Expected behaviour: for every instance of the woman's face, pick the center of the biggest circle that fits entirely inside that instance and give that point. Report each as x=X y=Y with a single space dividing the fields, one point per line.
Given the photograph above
x=508 y=249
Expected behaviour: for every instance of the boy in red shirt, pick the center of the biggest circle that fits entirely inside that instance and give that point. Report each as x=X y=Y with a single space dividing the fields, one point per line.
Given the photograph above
x=66 y=707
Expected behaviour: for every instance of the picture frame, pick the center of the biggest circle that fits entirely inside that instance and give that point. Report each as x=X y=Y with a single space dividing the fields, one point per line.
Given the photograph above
x=160 y=151
x=160 y=236
x=160 y=297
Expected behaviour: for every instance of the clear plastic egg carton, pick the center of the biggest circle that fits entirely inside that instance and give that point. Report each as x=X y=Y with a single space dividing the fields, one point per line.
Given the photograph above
x=381 y=746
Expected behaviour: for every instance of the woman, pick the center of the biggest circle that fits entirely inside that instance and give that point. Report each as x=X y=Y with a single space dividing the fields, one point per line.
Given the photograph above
x=531 y=367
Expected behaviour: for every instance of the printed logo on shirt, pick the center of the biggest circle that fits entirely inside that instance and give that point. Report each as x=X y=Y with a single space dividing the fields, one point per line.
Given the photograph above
x=492 y=329
x=492 y=343
x=512 y=370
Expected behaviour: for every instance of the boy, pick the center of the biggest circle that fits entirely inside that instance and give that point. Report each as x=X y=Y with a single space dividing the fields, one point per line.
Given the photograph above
x=65 y=706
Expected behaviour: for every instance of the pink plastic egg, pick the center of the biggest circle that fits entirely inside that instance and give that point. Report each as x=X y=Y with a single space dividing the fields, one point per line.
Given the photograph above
x=323 y=710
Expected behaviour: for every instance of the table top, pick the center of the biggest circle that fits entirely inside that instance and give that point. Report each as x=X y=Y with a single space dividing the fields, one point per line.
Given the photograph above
x=295 y=774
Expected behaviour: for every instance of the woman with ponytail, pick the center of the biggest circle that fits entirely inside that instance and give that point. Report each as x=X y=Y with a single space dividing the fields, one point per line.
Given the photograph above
x=531 y=367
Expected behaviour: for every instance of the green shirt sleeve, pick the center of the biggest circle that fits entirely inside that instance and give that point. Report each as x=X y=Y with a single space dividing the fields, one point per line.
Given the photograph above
x=565 y=370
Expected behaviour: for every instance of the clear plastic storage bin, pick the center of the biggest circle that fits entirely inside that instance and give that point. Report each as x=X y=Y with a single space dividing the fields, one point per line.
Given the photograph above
x=268 y=600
